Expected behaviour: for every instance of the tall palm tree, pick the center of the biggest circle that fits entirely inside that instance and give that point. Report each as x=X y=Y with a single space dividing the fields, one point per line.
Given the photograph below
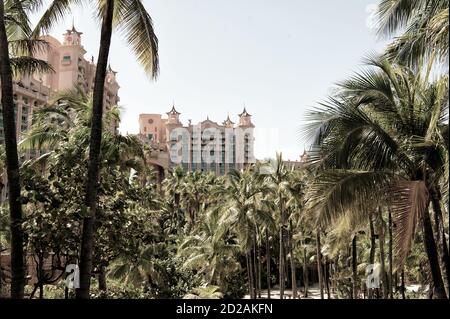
x=244 y=215
x=279 y=185
x=16 y=50
x=12 y=163
x=133 y=21
x=381 y=140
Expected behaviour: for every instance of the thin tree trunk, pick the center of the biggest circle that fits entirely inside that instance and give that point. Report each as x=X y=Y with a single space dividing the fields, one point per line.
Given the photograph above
x=326 y=267
x=354 y=269
x=177 y=209
x=403 y=284
x=87 y=239
x=41 y=290
x=249 y=282
x=319 y=262
x=12 y=165
x=102 y=279
x=293 y=274
x=282 y=254
x=305 y=273
x=40 y=274
x=268 y=263
x=433 y=259
x=259 y=271
x=255 y=267
x=396 y=281
x=390 y=257
x=335 y=275
x=442 y=242
x=250 y=275
x=372 y=251
x=382 y=255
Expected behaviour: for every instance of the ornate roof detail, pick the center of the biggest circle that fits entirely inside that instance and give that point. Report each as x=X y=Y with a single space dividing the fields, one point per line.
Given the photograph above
x=228 y=121
x=173 y=111
x=244 y=113
x=73 y=30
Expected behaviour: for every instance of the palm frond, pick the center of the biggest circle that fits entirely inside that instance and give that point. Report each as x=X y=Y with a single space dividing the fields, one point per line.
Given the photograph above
x=56 y=11
x=136 y=25
x=24 y=65
x=408 y=202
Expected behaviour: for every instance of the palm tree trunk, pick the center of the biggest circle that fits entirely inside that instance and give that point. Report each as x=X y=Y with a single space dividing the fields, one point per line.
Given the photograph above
x=259 y=274
x=442 y=242
x=433 y=259
x=403 y=284
x=319 y=262
x=354 y=269
x=255 y=267
x=293 y=274
x=282 y=254
x=12 y=165
x=102 y=279
x=372 y=251
x=382 y=255
x=251 y=282
x=87 y=239
x=327 y=277
x=391 y=286
x=305 y=273
x=268 y=263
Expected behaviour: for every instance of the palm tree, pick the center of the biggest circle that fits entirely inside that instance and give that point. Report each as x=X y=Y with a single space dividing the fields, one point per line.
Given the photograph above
x=381 y=140
x=280 y=187
x=425 y=24
x=15 y=40
x=132 y=19
x=244 y=214
x=173 y=187
x=12 y=164
x=212 y=250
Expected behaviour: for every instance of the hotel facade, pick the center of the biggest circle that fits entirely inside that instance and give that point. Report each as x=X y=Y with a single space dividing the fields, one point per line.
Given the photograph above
x=71 y=70
x=206 y=146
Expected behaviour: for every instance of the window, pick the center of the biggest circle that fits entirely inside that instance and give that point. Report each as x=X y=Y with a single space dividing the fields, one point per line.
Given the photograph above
x=66 y=60
x=150 y=121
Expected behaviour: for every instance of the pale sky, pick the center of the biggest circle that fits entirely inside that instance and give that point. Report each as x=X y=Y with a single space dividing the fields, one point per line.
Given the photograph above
x=279 y=57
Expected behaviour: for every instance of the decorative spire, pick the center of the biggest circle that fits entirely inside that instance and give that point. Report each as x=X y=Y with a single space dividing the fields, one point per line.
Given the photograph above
x=244 y=113
x=73 y=30
x=228 y=121
x=173 y=111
